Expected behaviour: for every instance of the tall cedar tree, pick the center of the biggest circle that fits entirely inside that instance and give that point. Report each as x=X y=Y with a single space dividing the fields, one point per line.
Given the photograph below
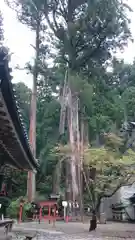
x=88 y=30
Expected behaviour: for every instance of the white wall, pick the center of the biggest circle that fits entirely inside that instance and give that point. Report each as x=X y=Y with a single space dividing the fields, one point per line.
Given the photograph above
x=127 y=192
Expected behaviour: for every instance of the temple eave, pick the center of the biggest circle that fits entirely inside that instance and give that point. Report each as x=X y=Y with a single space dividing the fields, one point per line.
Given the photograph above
x=14 y=145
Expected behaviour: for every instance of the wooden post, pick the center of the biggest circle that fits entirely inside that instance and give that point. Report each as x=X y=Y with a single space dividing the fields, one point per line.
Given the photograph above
x=49 y=214
x=20 y=213
x=54 y=216
x=40 y=214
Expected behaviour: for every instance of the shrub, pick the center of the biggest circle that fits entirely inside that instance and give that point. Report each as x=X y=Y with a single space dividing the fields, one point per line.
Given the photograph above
x=14 y=208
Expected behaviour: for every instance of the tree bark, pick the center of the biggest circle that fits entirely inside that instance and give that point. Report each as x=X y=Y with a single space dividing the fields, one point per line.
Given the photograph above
x=54 y=182
x=57 y=178
x=80 y=171
x=93 y=222
x=31 y=182
x=68 y=193
x=63 y=103
x=98 y=207
x=72 y=125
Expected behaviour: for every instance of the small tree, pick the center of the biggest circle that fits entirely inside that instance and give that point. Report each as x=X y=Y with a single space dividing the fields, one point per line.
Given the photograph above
x=88 y=31
x=104 y=170
x=111 y=171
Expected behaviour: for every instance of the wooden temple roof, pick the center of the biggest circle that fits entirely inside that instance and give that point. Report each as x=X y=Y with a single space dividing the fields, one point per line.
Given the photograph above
x=14 y=144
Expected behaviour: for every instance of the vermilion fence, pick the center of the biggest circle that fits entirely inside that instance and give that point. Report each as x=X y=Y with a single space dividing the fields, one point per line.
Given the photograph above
x=51 y=209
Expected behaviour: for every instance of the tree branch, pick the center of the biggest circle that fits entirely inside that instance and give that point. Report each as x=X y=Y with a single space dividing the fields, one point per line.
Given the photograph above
x=63 y=11
x=70 y=11
x=88 y=54
x=49 y=22
x=117 y=188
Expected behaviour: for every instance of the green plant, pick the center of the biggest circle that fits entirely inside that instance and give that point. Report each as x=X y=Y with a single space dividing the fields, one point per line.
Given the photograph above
x=14 y=208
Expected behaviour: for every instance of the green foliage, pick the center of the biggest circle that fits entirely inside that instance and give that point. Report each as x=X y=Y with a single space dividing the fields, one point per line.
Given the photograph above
x=1 y=29
x=112 y=171
x=88 y=31
x=113 y=142
x=85 y=35
x=48 y=115
x=23 y=94
x=5 y=201
x=28 y=11
x=82 y=88
x=14 y=208
x=128 y=98
x=21 y=179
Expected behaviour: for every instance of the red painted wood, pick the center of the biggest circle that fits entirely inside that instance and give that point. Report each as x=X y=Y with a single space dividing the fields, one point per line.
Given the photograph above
x=20 y=213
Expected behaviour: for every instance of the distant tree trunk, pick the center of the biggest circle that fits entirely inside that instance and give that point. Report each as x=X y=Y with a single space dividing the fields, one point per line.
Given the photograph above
x=54 y=183
x=31 y=182
x=80 y=170
x=68 y=193
x=86 y=133
x=57 y=178
x=97 y=140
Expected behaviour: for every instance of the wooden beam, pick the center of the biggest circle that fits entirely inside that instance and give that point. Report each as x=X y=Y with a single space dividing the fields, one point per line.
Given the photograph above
x=18 y=143
x=14 y=160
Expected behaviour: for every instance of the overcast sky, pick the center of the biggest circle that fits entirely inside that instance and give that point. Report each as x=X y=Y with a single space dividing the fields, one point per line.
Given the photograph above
x=19 y=38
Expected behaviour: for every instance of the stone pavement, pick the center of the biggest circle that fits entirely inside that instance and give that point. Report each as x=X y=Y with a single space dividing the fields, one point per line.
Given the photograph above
x=78 y=231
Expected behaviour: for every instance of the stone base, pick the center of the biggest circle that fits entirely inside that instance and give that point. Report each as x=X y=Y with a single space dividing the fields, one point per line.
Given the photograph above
x=102 y=218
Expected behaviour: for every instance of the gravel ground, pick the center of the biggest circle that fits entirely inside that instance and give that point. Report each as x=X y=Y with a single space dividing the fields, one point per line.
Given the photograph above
x=52 y=236
x=81 y=236
x=62 y=231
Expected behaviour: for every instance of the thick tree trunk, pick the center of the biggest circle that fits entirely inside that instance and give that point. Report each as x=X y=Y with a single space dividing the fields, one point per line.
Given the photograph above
x=72 y=124
x=70 y=101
